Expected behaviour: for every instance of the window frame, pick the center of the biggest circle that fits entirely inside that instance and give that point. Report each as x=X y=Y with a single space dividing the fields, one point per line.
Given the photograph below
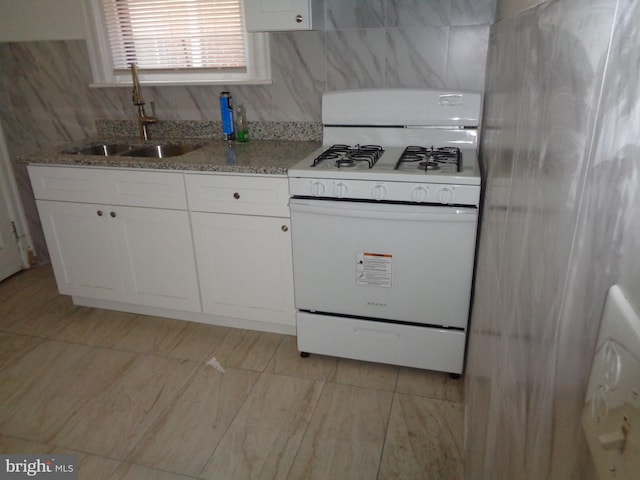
x=258 y=71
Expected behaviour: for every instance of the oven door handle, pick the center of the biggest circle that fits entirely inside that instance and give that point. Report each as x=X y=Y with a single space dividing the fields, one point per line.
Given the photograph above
x=386 y=211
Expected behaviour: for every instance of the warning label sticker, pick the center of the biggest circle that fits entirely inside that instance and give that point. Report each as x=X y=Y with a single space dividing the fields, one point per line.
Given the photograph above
x=374 y=269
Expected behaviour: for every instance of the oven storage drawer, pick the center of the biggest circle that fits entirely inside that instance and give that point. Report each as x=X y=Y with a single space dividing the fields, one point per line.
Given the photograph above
x=396 y=344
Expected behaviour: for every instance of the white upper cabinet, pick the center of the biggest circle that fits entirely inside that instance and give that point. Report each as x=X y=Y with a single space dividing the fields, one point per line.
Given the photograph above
x=283 y=15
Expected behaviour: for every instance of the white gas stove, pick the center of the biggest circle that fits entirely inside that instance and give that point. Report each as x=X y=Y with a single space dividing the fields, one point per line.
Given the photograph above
x=398 y=154
x=383 y=221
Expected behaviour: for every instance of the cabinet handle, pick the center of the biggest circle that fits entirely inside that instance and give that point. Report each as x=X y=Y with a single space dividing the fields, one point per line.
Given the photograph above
x=99 y=213
x=298 y=18
x=113 y=214
x=284 y=228
x=236 y=195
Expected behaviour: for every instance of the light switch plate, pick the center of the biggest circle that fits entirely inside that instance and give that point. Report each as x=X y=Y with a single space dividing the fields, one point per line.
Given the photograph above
x=611 y=415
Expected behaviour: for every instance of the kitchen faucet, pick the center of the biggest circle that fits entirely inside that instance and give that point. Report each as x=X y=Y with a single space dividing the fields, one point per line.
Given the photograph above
x=138 y=101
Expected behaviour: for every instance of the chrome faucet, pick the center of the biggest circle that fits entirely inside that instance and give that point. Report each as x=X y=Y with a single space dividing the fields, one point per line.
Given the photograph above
x=138 y=101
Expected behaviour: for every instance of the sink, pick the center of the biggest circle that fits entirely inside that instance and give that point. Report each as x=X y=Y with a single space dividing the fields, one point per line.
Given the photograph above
x=161 y=151
x=149 y=151
x=103 y=149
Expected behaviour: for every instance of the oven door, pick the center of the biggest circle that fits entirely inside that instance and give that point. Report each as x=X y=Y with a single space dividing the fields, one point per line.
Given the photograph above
x=408 y=263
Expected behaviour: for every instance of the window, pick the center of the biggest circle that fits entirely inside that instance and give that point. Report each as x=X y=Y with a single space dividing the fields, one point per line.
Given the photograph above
x=175 y=42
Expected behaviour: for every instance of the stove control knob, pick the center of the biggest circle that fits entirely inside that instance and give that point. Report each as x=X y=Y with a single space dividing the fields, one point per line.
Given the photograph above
x=420 y=194
x=378 y=191
x=445 y=195
x=317 y=188
x=340 y=190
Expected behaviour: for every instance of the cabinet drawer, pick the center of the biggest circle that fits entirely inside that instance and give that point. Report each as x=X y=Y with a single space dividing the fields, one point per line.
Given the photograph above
x=67 y=184
x=145 y=189
x=115 y=187
x=251 y=195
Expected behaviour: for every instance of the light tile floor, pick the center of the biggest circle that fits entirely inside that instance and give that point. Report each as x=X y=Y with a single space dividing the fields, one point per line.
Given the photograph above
x=135 y=398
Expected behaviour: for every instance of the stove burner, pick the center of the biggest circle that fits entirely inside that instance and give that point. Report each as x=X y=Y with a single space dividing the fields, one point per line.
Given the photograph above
x=342 y=156
x=430 y=158
x=345 y=162
x=339 y=148
x=429 y=165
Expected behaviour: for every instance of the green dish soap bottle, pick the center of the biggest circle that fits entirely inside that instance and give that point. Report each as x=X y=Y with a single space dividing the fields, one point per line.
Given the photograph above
x=243 y=129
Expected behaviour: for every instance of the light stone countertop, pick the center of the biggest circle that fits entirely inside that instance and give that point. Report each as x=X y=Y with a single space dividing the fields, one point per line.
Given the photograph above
x=264 y=157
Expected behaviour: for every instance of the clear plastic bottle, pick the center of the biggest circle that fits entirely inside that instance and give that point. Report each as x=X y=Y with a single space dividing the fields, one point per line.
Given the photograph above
x=243 y=129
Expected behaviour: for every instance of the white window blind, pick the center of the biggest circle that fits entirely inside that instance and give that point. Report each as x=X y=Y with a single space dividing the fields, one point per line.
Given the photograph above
x=174 y=42
x=176 y=34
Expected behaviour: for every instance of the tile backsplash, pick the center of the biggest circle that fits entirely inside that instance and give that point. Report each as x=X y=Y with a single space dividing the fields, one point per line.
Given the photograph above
x=45 y=98
x=365 y=44
x=293 y=131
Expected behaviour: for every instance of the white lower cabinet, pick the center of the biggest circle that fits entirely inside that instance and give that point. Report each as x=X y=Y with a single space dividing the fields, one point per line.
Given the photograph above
x=242 y=237
x=245 y=266
x=204 y=247
x=157 y=261
x=81 y=249
x=134 y=255
x=108 y=242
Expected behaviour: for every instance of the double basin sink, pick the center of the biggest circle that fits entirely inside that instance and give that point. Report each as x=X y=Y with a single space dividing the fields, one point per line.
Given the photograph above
x=123 y=150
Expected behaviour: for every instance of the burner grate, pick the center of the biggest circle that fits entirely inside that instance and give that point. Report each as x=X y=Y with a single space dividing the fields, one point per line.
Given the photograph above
x=342 y=156
x=430 y=158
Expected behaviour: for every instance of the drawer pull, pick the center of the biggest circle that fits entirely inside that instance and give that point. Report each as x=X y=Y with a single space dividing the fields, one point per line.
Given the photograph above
x=113 y=214
x=236 y=195
x=376 y=334
x=99 y=213
x=284 y=228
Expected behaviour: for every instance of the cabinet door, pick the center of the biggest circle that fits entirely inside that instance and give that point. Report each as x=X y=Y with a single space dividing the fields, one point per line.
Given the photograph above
x=156 y=257
x=280 y=15
x=82 y=252
x=245 y=266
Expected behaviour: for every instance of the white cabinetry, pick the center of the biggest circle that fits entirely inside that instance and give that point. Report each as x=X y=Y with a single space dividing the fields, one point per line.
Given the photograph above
x=129 y=240
x=243 y=246
x=106 y=242
x=281 y=15
x=81 y=249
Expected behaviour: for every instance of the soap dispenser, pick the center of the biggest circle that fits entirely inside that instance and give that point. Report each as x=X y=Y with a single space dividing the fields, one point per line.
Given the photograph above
x=243 y=129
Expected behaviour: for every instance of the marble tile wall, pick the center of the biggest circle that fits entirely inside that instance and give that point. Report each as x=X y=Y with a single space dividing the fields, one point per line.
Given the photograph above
x=45 y=98
x=561 y=153
x=508 y=8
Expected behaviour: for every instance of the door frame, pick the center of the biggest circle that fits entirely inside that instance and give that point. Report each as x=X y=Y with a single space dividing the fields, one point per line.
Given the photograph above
x=9 y=192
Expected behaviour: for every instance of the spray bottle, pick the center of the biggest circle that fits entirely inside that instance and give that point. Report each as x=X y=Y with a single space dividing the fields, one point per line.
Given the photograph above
x=226 y=112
